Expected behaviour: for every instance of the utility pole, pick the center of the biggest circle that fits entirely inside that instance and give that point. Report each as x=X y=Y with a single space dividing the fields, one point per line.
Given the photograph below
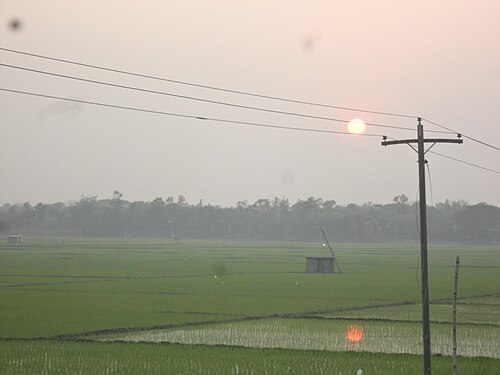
x=420 y=141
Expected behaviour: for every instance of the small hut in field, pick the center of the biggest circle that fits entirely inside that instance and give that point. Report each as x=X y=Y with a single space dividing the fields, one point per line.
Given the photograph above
x=322 y=264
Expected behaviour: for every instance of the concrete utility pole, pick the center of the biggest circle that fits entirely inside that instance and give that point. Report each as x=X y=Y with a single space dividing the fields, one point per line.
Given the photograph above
x=420 y=141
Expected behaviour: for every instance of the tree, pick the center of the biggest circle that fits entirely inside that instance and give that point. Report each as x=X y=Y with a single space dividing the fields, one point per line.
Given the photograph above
x=4 y=226
x=403 y=199
x=284 y=205
x=479 y=223
x=310 y=204
x=262 y=204
x=242 y=204
x=329 y=204
x=266 y=219
x=181 y=201
x=158 y=202
x=117 y=196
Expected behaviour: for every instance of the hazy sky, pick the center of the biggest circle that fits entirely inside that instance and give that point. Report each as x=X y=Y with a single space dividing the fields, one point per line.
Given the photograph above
x=435 y=59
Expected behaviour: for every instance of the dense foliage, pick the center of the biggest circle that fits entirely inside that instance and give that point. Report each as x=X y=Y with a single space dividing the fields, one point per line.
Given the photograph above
x=265 y=219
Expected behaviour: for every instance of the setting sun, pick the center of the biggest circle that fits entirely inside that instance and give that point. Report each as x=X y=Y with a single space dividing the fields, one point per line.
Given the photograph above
x=356 y=126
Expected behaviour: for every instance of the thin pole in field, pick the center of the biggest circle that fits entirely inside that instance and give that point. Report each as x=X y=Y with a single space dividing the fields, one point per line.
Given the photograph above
x=455 y=289
x=331 y=251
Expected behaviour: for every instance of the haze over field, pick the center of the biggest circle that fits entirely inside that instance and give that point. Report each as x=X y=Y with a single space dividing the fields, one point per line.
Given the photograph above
x=439 y=60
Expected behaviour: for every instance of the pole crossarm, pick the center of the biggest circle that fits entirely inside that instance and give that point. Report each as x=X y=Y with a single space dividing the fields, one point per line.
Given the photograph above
x=428 y=140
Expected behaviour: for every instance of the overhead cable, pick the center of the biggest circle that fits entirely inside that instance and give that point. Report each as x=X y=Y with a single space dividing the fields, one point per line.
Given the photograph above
x=220 y=120
x=239 y=92
x=463 y=135
x=244 y=93
x=260 y=109
x=465 y=162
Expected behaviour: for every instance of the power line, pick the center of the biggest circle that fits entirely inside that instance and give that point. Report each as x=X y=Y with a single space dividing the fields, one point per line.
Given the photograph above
x=451 y=158
x=66 y=61
x=463 y=135
x=465 y=162
x=244 y=123
x=260 y=109
x=136 y=109
x=239 y=92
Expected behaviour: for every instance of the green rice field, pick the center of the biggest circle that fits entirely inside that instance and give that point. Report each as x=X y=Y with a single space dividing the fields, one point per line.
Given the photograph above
x=199 y=307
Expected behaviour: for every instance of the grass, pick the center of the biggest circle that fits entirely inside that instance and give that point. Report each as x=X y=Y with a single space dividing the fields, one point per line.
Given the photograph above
x=314 y=334
x=467 y=312
x=71 y=358
x=65 y=288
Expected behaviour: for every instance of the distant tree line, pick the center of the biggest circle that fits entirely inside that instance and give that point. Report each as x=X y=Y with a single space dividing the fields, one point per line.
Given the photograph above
x=264 y=219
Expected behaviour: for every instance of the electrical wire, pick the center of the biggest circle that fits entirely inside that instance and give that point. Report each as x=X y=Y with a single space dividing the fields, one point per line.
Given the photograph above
x=239 y=92
x=455 y=159
x=463 y=135
x=430 y=183
x=221 y=120
x=429 y=226
x=260 y=109
x=231 y=104
x=245 y=123
x=417 y=201
x=465 y=162
x=66 y=61
x=417 y=274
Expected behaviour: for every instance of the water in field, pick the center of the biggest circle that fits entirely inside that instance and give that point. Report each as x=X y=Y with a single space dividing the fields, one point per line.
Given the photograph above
x=330 y=335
